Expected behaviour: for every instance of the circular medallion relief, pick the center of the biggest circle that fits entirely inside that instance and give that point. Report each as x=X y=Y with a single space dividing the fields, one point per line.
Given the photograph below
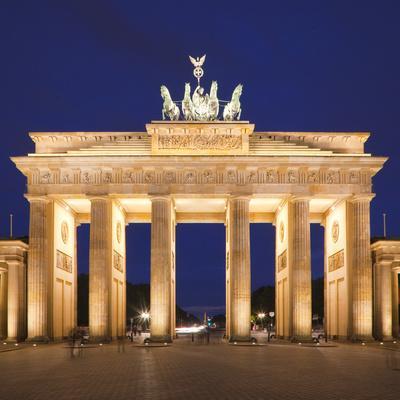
x=119 y=231
x=281 y=231
x=64 y=232
x=335 y=231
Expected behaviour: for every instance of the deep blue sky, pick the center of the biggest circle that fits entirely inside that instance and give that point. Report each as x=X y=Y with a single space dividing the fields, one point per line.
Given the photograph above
x=97 y=65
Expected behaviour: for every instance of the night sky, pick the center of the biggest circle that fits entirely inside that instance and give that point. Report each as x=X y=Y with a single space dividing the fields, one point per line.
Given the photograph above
x=98 y=65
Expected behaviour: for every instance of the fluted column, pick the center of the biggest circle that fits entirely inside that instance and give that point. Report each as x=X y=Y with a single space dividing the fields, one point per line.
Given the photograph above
x=300 y=264
x=240 y=282
x=361 y=268
x=395 y=304
x=99 y=269
x=160 y=274
x=14 y=303
x=38 y=270
x=383 y=301
x=3 y=301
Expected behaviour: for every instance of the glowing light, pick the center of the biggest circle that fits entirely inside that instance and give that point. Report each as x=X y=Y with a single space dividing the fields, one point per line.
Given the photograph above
x=4 y=343
x=165 y=344
x=34 y=345
x=363 y=343
x=300 y=343
x=234 y=342
x=261 y=315
x=394 y=342
x=318 y=343
x=146 y=344
x=101 y=344
x=381 y=343
x=16 y=344
x=190 y=329
x=145 y=315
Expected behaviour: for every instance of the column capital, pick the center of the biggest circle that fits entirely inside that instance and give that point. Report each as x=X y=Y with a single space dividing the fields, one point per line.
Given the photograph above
x=295 y=198
x=166 y=197
x=99 y=197
x=31 y=198
x=361 y=197
x=396 y=267
x=239 y=197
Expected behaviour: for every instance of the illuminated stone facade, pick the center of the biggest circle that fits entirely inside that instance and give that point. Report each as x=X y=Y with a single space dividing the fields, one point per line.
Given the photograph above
x=179 y=172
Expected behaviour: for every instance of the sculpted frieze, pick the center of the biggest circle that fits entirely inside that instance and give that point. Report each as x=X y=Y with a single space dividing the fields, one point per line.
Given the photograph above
x=200 y=142
x=354 y=177
x=313 y=177
x=87 y=177
x=208 y=176
x=65 y=177
x=107 y=177
x=231 y=176
x=221 y=175
x=252 y=177
x=292 y=176
x=45 y=177
x=149 y=177
x=169 y=176
x=189 y=177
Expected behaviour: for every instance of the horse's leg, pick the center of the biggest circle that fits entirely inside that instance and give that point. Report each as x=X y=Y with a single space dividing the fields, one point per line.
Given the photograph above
x=239 y=114
x=163 y=114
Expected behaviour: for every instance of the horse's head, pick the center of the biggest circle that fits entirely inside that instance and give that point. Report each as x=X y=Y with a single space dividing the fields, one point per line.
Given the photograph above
x=164 y=92
x=187 y=89
x=238 y=91
x=214 y=88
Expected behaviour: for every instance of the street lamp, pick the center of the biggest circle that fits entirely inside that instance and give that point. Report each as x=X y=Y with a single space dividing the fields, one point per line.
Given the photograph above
x=269 y=327
x=261 y=317
x=145 y=317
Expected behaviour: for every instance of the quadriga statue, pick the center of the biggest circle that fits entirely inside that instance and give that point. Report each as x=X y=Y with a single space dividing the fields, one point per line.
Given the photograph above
x=232 y=110
x=170 y=109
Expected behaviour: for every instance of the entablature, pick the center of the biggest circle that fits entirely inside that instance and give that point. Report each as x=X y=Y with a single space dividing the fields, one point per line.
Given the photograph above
x=211 y=138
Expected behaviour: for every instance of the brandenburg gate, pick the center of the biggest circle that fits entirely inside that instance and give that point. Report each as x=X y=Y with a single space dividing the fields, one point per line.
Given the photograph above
x=200 y=171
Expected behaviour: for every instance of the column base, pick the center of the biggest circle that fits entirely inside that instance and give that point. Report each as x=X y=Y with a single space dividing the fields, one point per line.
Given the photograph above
x=99 y=339
x=302 y=338
x=15 y=339
x=387 y=339
x=159 y=339
x=357 y=339
x=240 y=339
x=38 y=339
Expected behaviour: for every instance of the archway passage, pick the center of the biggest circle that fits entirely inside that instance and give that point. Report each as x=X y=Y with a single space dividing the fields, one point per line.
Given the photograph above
x=200 y=273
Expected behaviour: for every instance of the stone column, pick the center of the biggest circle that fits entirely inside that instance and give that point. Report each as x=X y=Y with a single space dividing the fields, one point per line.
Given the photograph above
x=300 y=264
x=383 y=301
x=240 y=282
x=75 y=266
x=160 y=274
x=38 y=270
x=3 y=300
x=14 y=307
x=360 y=267
x=395 y=304
x=99 y=269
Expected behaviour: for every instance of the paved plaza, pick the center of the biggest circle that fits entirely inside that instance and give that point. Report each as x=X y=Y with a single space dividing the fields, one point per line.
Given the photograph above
x=191 y=371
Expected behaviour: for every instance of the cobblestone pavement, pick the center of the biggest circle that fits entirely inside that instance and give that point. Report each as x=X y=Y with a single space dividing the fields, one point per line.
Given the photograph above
x=193 y=371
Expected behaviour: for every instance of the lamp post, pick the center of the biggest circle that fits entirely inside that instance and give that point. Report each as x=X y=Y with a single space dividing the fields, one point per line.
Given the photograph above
x=270 y=325
x=261 y=317
x=145 y=316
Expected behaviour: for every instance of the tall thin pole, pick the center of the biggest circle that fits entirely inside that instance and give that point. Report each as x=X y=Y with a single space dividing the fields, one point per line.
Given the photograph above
x=384 y=225
x=11 y=225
